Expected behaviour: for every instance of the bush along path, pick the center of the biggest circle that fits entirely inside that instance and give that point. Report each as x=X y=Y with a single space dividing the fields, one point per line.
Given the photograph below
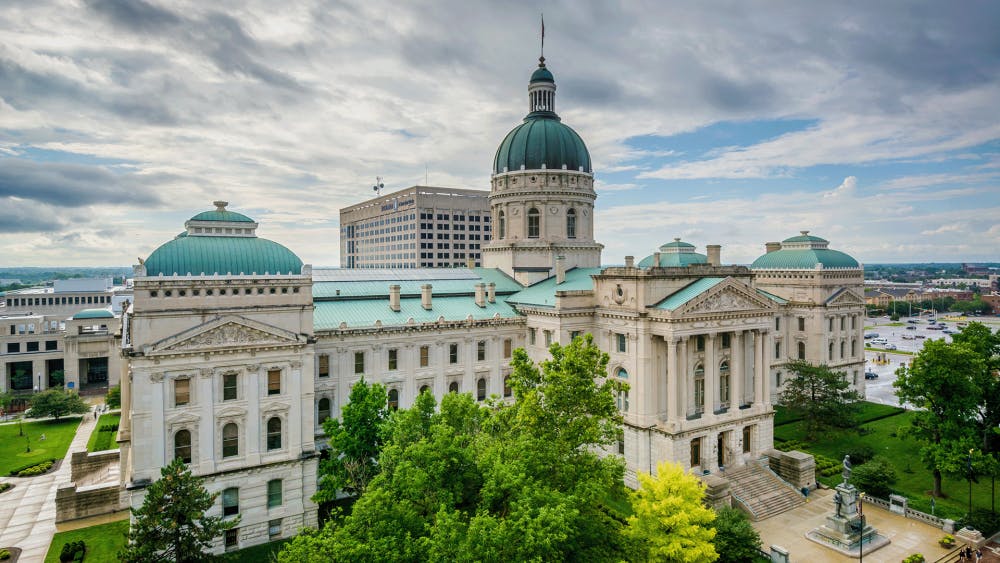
x=28 y=511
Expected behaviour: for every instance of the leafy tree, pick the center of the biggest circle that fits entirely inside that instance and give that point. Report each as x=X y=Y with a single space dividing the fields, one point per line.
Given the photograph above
x=114 y=397
x=670 y=522
x=355 y=442
x=823 y=398
x=171 y=524
x=20 y=379
x=56 y=403
x=940 y=381
x=6 y=398
x=57 y=378
x=876 y=477
x=736 y=540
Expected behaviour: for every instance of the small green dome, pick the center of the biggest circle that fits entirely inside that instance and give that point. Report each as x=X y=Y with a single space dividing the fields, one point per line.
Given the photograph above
x=674 y=260
x=542 y=74
x=212 y=255
x=230 y=216
x=542 y=140
x=94 y=314
x=678 y=244
x=804 y=252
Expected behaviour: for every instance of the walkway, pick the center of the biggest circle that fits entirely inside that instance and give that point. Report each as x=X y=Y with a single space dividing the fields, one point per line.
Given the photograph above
x=28 y=511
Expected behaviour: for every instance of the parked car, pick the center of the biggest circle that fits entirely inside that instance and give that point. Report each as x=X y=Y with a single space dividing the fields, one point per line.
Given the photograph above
x=879 y=341
x=871 y=335
x=913 y=321
x=948 y=331
x=911 y=327
x=890 y=347
x=871 y=375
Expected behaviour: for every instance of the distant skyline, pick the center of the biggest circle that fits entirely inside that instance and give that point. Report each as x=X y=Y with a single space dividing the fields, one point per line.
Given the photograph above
x=872 y=124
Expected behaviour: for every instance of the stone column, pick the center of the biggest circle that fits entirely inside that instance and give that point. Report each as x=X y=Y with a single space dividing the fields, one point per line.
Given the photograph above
x=670 y=390
x=736 y=370
x=765 y=362
x=758 y=377
x=685 y=401
x=711 y=375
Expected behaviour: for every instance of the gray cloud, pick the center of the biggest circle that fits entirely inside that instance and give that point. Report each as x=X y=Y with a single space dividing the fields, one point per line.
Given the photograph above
x=74 y=185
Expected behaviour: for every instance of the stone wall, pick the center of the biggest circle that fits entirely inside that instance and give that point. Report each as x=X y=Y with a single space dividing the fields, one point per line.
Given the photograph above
x=798 y=468
x=87 y=467
x=717 y=492
x=74 y=502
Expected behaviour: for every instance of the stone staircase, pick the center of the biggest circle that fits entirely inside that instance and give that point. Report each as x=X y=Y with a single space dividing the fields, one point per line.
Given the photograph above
x=760 y=492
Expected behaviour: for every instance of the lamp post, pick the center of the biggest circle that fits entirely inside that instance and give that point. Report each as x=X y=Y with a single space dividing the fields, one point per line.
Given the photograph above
x=968 y=470
x=861 y=540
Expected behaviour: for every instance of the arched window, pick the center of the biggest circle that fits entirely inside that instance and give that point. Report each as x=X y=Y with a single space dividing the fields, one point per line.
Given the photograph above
x=621 y=373
x=699 y=388
x=230 y=440
x=425 y=389
x=502 y=225
x=481 y=389
x=394 y=399
x=830 y=351
x=533 y=223
x=571 y=223
x=453 y=387
x=507 y=391
x=842 y=348
x=274 y=433
x=182 y=445
x=802 y=350
x=854 y=347
x=324 y=409
x=724 y=383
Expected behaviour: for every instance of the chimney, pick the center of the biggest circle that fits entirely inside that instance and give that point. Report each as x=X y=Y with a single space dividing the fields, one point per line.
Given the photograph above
x=425 y=296
x=770 y=247
x=560 y=269
x=656 y=259
x=714 y=254
x=394 y=297
x=480 y=295
x=491 y=292
x=630 y=261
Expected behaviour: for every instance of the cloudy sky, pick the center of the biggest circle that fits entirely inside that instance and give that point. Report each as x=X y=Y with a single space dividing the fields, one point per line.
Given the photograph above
x=873 y=124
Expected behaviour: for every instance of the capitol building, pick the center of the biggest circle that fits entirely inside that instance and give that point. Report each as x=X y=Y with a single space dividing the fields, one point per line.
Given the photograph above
x=235 y=351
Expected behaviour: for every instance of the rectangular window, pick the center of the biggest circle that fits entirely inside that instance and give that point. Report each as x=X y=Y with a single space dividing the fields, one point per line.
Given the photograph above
x=324 y=365
x=831 y=325
x=182 y=392
x=777 y=323
x=573 y=334
x=274 y=493
x=274 y=529
x=274 y=382
x=481 y=351
x=425 y=356
x=453 y=353
x=51 y=345
x=548 y=337
x=725 y=340
x=854 y=319
x=747 y=435
x=229 y=389
x=32 y=347
x=507 y=345
x=802 y=323
x=359 y=362
x=622 y=342
x=393 y=363
x=230 y=501
x=843 y=323
x=232 y=538
x=13 y=347
x=531 y=336
x=777 y=350
x=695 y=452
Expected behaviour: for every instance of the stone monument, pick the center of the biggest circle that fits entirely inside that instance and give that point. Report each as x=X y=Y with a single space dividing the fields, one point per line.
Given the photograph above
x=846 y=530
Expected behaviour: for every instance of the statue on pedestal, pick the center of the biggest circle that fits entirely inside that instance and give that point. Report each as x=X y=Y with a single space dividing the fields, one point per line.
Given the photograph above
x=847 y=468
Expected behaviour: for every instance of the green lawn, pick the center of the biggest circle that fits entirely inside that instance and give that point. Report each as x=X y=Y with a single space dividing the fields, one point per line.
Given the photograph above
x=100 y=441
x=914 y=480
x=103 y=541
x=903 y=352
x=868 y=412
x=263 y=553
x=58 y=436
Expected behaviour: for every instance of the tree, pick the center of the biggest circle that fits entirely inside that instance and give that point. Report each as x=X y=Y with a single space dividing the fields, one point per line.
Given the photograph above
x=821 y=396
x=6 y=398
x=736 y=540
x=875 y=477
x=57 y=378
x=355 y=442
x=940 y=382
x=670 y=522
x=56 y=403
x=171 y=524
x=114 y=397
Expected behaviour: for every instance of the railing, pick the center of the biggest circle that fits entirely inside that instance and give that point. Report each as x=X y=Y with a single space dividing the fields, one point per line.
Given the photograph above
x=935 y=521
x=744 y=504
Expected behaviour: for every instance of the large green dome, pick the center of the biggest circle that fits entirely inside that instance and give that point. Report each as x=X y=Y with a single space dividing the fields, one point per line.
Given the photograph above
x=207 y=255
x=542 y=140
x=804 y=252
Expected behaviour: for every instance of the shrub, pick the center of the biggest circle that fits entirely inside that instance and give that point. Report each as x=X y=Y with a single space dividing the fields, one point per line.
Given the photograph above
x=860 y=454
x=947 y=541
x=73 y=551
x=983 y=520
x=915 y=558
x=4 y=555
x=108 y=428
x=35 y=469
x=5 y=486
x=875 y=477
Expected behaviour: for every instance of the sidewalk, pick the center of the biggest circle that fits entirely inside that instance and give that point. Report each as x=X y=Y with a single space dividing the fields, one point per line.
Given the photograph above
x=28 y=511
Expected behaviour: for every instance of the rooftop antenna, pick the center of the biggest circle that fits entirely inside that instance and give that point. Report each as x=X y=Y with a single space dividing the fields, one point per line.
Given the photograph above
x=377 y=188
x=541 y=53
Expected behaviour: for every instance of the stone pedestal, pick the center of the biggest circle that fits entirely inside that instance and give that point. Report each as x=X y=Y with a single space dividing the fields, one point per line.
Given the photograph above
x=845 y=530
x=971 y=537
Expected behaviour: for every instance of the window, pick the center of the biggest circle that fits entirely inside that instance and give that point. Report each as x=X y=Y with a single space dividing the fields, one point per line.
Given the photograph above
x=453 y=353
x=802 y=350
x=854 y=319
x=394 y=399
x=503 y=225
x=747 y=436
x=230 y=440
x=829 y=350
x=481 y=389
x=533 y=223
x=843 y=346
x=182 y=445
x=724 y=384
x=453 y=387
x=777 y=349
x=571 y=223
x=324 y=409
x=481 y=351
x=229 y=389
x=274 y=529
x=359 y=362
x=695 y=452
x=32 y=347
x=324 y=365
x=548 y=337
x=854 y=347
x=777 y=379
x=831 y=325
x=232 y=538
x=621 y=400
x=274 y=382
x=13 y=347
x=725 y=340
x=182 y=392
x=507 y=391
x=621 y=373
x=274 y=493
x=843 y=323
x=700 y=344
x=230 y=501
x=393 y=364
x=855 y=377
x=425 y=356
x=777 y=323
x=274 y=434
x=699 y=388
x=802 y=323
x=573 y=334
x=531 y=336
x=507 y=345
x=622 y=342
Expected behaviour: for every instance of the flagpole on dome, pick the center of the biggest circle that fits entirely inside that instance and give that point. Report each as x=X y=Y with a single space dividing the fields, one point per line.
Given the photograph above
x=541 y=53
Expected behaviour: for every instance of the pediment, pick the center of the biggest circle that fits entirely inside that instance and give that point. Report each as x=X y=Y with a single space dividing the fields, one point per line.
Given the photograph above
x=182 y=418
x=223 y=333
x=845 y=297
x=729 y=296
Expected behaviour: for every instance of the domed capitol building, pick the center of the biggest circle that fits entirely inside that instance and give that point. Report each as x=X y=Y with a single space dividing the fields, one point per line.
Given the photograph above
x=235 y=351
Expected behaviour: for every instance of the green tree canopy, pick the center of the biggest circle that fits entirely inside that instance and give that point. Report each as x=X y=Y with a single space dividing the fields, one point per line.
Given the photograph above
x=56 y=403
x=171 y=524
x=736 y=540
x=114 y=397
x=821 y=396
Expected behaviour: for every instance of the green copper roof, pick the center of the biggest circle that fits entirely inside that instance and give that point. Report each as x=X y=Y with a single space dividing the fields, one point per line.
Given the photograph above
x=687 y=293
x=215 y=215
x=324 y=289
x=94 y=314
x=542 y=74
x=542 y=139
x=772 y=297
x=360 y=313
x=803 y=259
x=674 y=260
x=209 y=255
x=543 y=293
x=804 y=238
x=676 y=244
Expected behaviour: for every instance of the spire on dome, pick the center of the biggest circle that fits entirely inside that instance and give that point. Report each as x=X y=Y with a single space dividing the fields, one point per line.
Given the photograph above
x=542 y=86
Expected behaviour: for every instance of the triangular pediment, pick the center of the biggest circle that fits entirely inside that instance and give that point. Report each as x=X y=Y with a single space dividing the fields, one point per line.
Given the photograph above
x=845 y=297
x=730 y=296
x=223 y=333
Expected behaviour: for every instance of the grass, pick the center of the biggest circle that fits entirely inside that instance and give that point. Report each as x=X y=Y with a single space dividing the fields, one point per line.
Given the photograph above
x=867 y=412
x=58 y=436
x=901 y=352
x=103 y=541
x=914 y=480
x=257 y=554
x=100 y=441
